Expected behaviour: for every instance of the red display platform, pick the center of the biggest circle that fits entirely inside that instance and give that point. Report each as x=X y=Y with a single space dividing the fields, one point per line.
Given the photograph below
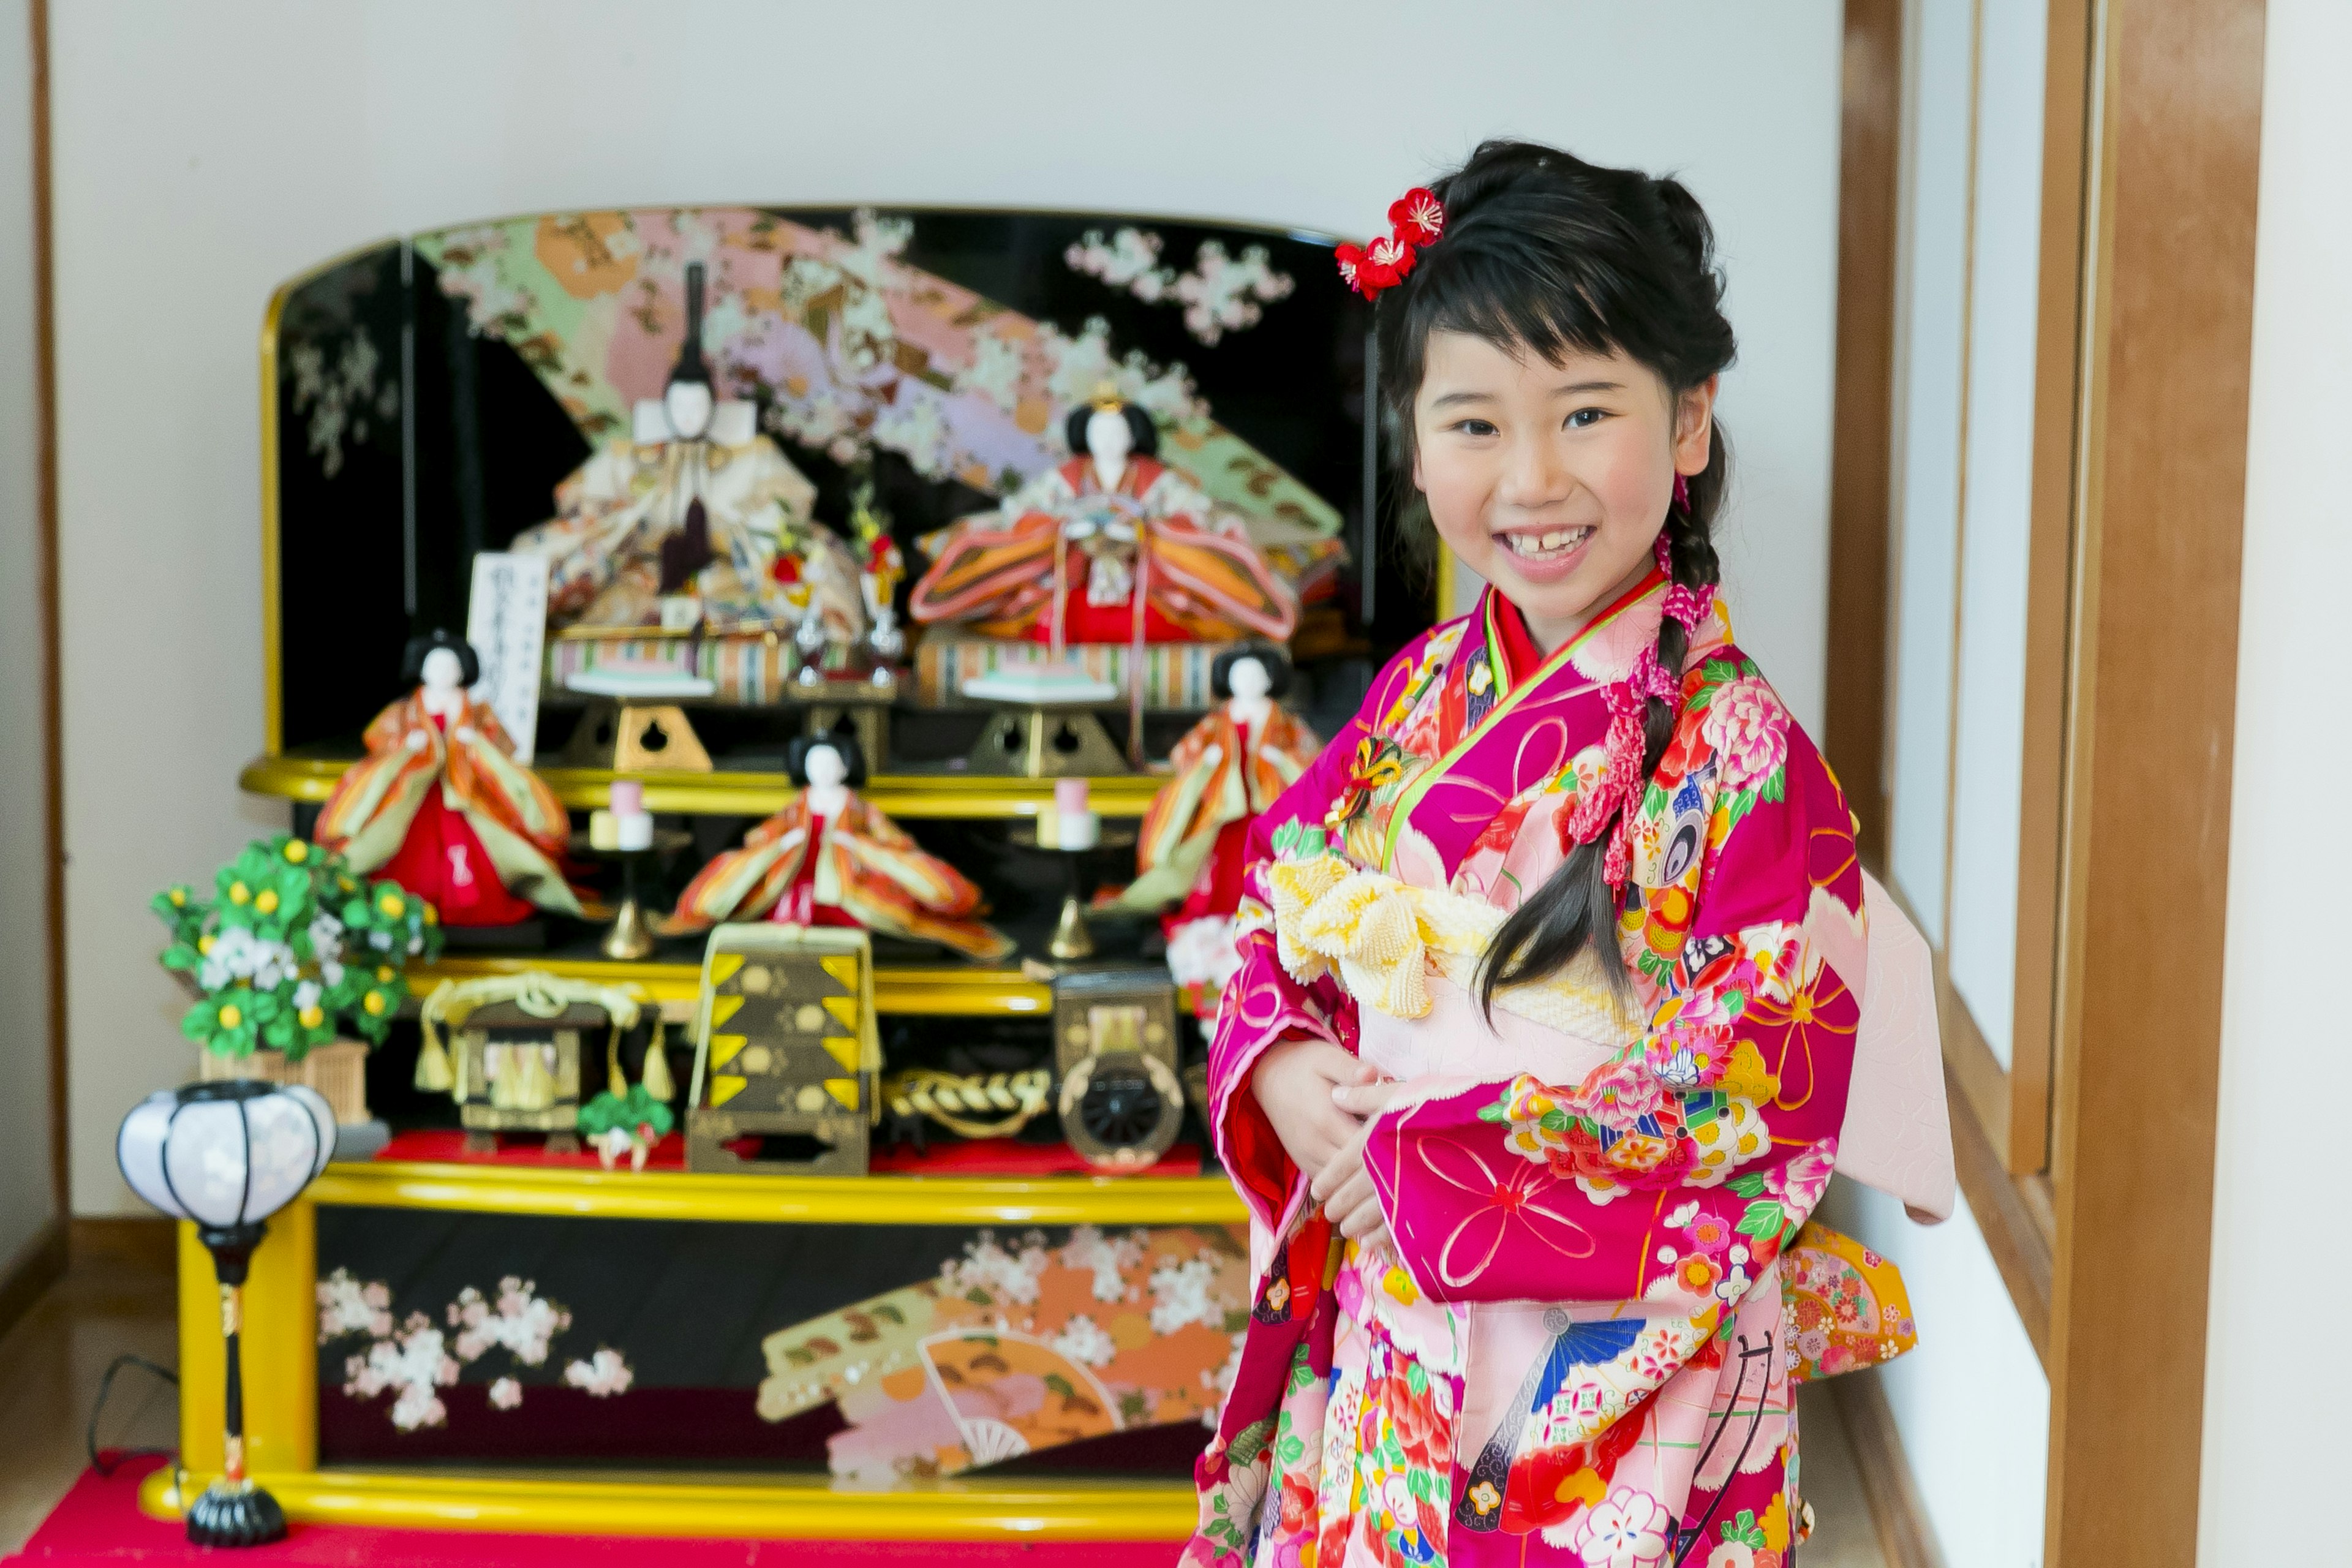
x=986 y=1157
x=99 y=1523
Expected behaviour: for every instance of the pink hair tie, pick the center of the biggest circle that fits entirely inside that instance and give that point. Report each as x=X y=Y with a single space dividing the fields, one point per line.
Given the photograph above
x=1682 y=494
x=1689 y=606
x=1651 y=678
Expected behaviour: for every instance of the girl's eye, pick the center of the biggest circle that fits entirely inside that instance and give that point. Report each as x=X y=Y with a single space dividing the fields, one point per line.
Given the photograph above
x=1474 y=427
x=1585 y=418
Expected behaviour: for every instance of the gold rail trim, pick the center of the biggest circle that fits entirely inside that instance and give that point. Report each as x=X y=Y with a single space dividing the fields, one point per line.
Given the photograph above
x=782 y=1199
x=794 y=1509
x=946 y=796
x=944 y=990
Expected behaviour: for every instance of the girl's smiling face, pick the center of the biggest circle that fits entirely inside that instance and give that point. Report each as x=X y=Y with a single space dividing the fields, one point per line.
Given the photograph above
x=1551 y=479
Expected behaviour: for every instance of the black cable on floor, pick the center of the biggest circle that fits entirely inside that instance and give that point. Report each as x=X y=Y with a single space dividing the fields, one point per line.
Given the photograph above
x=107 y=1466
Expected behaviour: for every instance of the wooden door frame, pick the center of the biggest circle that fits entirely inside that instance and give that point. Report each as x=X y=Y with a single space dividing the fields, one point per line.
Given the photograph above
x=2153 y=110
x=2168 y=357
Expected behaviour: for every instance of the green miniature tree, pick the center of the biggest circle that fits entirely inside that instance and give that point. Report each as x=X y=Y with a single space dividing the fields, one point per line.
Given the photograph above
x=291 y=943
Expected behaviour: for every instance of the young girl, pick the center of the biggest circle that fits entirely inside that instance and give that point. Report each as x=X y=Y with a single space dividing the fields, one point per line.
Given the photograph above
x=1541 y=1048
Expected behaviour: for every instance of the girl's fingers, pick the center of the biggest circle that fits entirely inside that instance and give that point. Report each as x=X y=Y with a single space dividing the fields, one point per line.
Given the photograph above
x=1366 y=1098
x=1364 y=1220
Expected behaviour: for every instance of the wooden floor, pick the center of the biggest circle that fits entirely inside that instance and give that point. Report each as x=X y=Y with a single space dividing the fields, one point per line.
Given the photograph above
x=117 y=1297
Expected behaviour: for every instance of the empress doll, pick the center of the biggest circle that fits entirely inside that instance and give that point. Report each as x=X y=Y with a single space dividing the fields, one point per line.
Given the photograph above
x=1112 y=546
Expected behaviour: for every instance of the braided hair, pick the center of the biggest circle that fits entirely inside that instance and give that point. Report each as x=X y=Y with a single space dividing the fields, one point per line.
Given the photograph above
x=1545 y=254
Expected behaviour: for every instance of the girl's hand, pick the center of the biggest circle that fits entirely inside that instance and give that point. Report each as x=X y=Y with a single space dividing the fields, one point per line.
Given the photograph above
x=1294 y=1082
x=1343 y=1186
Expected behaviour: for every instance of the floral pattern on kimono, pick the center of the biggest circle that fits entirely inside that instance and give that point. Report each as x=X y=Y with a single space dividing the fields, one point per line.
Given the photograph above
x=1609 y=1248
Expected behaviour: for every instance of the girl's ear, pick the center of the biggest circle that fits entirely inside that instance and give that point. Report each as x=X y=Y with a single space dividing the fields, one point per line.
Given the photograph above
x=1694 y=426
x=1416 y=472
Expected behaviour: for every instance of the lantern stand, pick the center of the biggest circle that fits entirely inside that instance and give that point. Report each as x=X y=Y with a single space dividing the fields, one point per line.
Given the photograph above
x=227 y=1155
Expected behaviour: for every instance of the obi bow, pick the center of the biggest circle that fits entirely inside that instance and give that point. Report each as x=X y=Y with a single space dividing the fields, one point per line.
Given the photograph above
x=1382 y=937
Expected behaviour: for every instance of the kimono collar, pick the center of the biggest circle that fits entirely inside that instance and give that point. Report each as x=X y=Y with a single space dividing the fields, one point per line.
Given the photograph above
x=1507 y=645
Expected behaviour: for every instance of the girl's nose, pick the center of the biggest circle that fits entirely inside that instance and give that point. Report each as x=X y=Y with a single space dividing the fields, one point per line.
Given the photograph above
x=1536 y=474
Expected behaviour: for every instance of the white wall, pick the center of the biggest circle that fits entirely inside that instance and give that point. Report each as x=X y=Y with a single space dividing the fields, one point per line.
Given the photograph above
x=1972 y=1400
x=204 y=153
x=25 y=1201
x=2274 y=1443
x=1972 y=1403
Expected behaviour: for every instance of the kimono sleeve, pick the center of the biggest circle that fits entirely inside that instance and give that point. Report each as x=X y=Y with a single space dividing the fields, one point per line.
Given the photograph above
x=1263 y=1004
x=1676 y=1173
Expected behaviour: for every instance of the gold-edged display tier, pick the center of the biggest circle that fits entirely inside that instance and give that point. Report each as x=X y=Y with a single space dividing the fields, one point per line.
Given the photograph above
x=945 y=990
x=1047 y=1508
x=580 y=1192
x=941 y=795
x=281 y=1365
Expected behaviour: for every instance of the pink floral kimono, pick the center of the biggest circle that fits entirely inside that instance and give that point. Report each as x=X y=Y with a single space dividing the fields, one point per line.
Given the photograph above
x=1582 y=1348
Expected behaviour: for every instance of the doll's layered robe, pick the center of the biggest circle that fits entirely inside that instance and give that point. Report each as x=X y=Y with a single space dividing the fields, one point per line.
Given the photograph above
x=1580 y=1348
x=1182 y=572
x=768 y=558
x=865 y=866
x=1194 y=844
x=508 y=809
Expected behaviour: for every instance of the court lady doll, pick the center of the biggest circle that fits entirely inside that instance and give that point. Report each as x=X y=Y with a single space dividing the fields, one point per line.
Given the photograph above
x=1228 y=769
x=828 y=858
x=440 y=807
x=1552 y=967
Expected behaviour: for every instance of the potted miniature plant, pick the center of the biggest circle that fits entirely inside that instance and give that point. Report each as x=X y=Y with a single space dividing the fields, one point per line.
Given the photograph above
x=291 y=948
x=626 y=1126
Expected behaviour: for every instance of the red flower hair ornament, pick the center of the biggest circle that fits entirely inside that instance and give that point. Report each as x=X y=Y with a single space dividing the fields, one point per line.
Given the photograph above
x=1416 y=220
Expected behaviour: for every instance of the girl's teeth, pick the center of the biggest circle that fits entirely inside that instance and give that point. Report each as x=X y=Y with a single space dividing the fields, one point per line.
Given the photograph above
x=1550 y=543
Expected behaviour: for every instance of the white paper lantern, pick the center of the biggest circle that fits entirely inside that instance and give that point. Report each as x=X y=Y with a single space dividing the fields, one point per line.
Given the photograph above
x=226 y=1153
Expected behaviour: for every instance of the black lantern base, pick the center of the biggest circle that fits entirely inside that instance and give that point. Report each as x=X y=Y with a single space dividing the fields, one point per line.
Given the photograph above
x=238 y=1515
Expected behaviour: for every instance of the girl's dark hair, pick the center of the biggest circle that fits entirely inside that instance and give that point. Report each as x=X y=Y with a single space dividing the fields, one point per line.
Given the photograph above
x=853 y=757
x=1277 y=669
x=1545 y=254
x=412 y=658
x=1139 y=425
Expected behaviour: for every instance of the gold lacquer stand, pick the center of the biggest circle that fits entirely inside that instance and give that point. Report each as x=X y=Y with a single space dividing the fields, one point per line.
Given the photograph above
x=636 y=737
x=1044 y=744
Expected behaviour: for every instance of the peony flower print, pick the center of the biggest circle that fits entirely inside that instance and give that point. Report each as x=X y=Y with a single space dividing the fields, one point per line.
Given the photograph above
x=1749 y=731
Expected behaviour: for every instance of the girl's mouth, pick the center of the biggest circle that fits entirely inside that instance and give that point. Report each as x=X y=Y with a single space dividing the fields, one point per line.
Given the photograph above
x=1545 y=555
x=1553 y=544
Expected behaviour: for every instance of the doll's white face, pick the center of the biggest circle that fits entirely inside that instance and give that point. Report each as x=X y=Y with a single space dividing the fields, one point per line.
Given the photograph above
x=1249 y=681
x=1108 y=439
x=826 y=769
x=441 y=671
x=689 y=405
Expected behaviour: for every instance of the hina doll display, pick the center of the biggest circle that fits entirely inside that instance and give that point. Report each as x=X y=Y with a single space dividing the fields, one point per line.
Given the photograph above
x=440 y=807
x=698 y=522
x=1192 y=847
x=1562 y=990
x=830 y=858
x=1113 y=546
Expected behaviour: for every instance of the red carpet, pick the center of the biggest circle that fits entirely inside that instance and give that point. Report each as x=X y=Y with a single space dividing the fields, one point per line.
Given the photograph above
x=99 y=1524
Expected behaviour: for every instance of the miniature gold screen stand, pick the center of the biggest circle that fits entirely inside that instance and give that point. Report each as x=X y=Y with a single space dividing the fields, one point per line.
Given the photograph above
x=634 y=737
x=785 y=1047
x=1046 y=742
